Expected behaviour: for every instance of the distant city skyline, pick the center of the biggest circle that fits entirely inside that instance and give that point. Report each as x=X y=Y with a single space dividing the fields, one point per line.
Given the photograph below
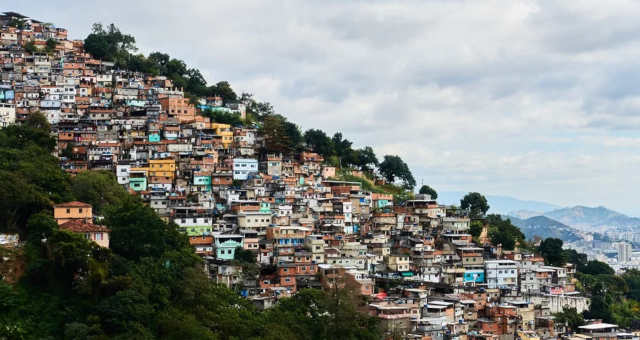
x=526 y=99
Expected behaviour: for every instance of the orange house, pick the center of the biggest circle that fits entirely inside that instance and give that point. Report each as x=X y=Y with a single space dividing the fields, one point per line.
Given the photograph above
x=180 y=108
x=70 y=211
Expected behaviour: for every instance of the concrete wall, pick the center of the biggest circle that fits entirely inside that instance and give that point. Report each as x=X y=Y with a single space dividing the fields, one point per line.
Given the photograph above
x=557 y=302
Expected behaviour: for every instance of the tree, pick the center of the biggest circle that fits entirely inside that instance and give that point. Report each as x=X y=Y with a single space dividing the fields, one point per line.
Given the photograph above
x=224 y=90
x=30 y=176
x=502 y=231
x=475 y=229
x=596 y=267
x=551 y=251
x=244 y=256
x=17 y=23
x=476 y=204
x=425 y=189
x=275 y=134
x=293 y=135
x=160 y=60
x=578 y=259
x=109 y=44
x=319 y=142
x=365 y=159
x=30 y=47
x=138 y=63
x=98 y=188
x=136 y=231
x=393 y=167
x=230 y=118
x=258 y=110
x=632 y=278
x=570 y=317
x=600 y=305
x=51 y=45
x=342 y=147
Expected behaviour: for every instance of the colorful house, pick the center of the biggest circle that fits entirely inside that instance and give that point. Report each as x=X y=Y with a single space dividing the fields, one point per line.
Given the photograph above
x=138 y=179
x=476 y=276
x=226 y=245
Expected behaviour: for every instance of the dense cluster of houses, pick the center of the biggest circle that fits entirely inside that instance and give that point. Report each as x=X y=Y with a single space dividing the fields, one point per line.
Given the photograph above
x=425 y=275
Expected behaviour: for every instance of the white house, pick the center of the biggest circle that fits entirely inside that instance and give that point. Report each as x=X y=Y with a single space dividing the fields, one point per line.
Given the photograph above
x=501 y=274
x=242 y=167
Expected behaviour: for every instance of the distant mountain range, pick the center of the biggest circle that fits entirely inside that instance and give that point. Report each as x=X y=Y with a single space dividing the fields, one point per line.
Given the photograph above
x=544 y=227
x=549 y=220
x=499 y=204
x=593 y=219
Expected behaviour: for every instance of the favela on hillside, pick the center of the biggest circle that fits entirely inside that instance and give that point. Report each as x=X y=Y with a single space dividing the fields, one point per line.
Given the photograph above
x=150 y=190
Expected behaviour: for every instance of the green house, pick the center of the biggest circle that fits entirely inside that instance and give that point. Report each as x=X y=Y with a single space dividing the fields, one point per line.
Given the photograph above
x=202 y=181
x=265 y=207
x=226 y=246
x=138 y=183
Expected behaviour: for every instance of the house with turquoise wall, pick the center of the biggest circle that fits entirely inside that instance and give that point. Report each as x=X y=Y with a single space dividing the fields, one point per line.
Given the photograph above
x=203 y=182
x=476 y=275
x=154 y=137
x=138 y=183
x=226 y=245
x=136 y=103
x=383 y=203
x=265 y=207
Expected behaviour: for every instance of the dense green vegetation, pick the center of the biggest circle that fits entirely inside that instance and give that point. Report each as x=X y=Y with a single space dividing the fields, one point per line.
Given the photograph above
x=393 y=167
x=368 y=183
x=425 y=189
x=475 y=203
x=569 y=317
x=148 y=285
x=503 y=232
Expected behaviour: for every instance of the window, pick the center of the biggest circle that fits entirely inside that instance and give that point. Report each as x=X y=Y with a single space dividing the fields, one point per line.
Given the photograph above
x=80 y=210
x=68 y=211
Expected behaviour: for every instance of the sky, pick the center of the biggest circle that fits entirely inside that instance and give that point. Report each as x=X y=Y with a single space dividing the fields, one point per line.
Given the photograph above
x=537 y=100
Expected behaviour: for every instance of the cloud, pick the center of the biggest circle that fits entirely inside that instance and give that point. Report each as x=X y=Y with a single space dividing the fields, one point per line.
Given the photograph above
x=530 y=98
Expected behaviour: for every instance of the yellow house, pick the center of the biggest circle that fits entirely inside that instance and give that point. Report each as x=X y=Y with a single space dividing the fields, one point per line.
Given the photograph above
x=224 y=131
x=528 y=335
x=162 y=168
